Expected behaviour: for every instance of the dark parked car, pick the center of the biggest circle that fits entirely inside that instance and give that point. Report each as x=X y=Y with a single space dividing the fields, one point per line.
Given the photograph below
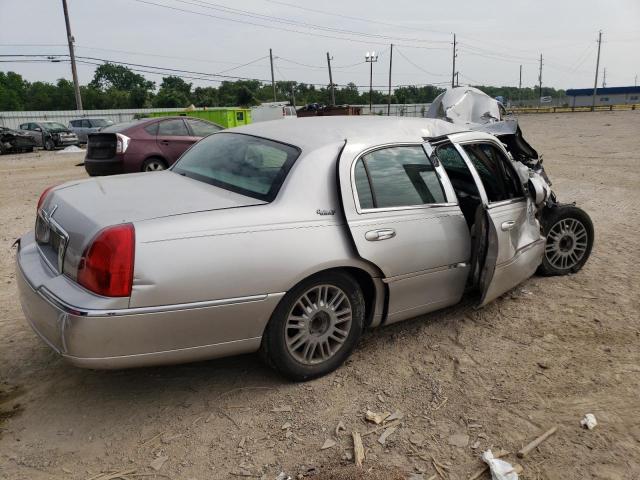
x=145 y=145
x=15 y=141
x=84 y=126
x=50 y=135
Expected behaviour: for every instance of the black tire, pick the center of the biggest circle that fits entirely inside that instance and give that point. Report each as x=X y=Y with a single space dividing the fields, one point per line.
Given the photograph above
x=154 y=164
x=49 y=144
x=555 y=255
x=274 y=349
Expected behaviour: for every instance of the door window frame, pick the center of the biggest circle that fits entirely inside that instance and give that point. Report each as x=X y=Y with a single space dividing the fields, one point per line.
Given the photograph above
x=184 y=124
x=483 y=193
x=450 y=198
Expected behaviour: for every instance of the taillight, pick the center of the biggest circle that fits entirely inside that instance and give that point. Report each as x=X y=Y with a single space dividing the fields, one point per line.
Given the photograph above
x=106 y=267
x=122 y=142
x=43 y=195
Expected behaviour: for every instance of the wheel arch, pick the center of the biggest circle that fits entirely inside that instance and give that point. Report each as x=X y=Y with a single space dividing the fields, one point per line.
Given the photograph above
x=151 y=156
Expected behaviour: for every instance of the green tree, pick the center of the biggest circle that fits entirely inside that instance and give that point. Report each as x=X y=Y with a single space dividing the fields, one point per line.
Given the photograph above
x=109 y=75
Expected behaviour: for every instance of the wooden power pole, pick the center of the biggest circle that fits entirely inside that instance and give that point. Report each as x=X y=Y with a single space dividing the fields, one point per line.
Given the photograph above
x=331 y=87
x=595 y=84
x=273 y=81
x=389 y=94
x=540 y=82
x=72 y=55
x=455 y=54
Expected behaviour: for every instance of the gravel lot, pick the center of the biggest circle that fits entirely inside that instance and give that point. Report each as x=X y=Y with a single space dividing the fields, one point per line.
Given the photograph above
x=542 y=355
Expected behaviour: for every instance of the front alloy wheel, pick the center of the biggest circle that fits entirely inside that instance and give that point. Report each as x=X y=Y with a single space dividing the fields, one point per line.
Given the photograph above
x=153 y=165
x=315 y=326
x=569 y=239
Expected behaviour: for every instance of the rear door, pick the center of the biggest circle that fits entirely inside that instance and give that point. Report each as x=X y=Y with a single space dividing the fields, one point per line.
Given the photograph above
x=173 y=138
x=402 y=215
x=512 y=242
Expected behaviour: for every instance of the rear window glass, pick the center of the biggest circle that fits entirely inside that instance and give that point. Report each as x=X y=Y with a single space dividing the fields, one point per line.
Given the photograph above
x=99 y=122
x=119 y=127
x=244 y=164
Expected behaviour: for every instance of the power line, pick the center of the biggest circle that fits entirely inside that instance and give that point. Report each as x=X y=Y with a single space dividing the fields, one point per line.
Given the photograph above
x=244 y=64
x=418 y=66
x=271 y=18
x=246 y=22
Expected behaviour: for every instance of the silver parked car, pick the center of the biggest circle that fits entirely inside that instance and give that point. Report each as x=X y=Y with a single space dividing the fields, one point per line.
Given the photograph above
x=82 y=127
x=288 y=238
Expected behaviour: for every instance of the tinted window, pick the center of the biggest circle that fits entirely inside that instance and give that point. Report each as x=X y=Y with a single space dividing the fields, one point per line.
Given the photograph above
x=175 y=128
x=120 y=127
x=75 y=123
x=458 y=172
x=499 y=180
x=151 y=129
x=24 y=126
x=362 y=186
x=99 y=122
x=399 y=177
x=203 y=129
x=252 y=166
x=53 y=126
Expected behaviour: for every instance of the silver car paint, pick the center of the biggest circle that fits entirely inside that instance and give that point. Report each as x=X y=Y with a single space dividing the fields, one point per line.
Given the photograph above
x=207 y=282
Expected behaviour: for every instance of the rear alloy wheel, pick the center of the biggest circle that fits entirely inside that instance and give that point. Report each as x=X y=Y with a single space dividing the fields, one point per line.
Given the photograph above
x=154 y=165
x=49 y=145
x=569 y=239
x=315 y=327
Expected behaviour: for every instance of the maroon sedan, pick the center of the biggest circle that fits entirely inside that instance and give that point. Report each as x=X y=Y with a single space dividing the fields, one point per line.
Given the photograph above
x=144 y=145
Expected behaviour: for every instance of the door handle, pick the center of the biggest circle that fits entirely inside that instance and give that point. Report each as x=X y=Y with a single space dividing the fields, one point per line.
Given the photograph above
x=377 y=235
x=508 y=225
x=164 y=142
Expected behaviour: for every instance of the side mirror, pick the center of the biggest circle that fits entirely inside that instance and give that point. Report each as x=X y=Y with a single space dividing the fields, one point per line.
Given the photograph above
x=38 y=129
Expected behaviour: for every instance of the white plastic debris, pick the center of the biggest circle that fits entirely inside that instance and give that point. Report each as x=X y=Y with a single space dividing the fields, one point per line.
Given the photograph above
x=589 y=421
x=283 y=476
x=71 y=149
x=500 y=470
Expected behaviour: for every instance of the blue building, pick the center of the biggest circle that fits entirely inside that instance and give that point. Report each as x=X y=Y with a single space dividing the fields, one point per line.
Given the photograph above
x=582 y=97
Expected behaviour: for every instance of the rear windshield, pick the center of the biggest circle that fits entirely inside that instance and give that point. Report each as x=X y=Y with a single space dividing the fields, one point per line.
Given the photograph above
x=99 y=122
x=119 y=127
x=244 y=164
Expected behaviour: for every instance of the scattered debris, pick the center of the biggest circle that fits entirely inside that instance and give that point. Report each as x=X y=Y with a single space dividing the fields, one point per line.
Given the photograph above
x=376 y=418
x=242 y=442
x=397 y=415
x=157 y=463
x=340 y=428
x=283 y=476
x=328 y=443
x=460 y=440
x=543 y=364
x=475 y=444
x=589 y=421
x=381 y=427
x=527 y=448
x=479 y=472
x=500 y=470
x=388 y=432
x=70 y=149
x=286 y=426
x=281 y=409
x=358 y=449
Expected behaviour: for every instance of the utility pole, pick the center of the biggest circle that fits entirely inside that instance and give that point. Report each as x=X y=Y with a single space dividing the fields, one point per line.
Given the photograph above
x=389 y=95
x=293 y=96
x=604 y=78
x=455 y=54
x=595 y=83
x=520 y=88
x=273 y=81
x=333 y=92
x=540 y=82
x=457 y=82
x=72 y=55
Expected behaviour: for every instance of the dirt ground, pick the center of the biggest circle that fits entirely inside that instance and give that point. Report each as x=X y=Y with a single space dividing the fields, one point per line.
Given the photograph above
x=544 y=354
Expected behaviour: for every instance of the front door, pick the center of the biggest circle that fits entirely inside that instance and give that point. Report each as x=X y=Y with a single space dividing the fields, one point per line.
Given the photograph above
x=174 y=138
x=403 y=217
x=511 y=240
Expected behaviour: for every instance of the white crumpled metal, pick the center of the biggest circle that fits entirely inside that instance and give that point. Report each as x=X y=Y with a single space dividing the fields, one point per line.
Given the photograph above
x=465 y=106
x=500 y=470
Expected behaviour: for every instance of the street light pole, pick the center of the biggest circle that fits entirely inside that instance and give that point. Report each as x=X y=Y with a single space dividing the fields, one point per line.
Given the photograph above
x=370 y=58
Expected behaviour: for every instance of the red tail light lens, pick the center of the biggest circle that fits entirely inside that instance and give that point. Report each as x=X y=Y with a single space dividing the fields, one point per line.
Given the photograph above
x=43 y=195
x=106 y=267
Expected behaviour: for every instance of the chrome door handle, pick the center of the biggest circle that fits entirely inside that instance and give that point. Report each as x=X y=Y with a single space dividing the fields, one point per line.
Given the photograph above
x=376 y=235
x=508 y=225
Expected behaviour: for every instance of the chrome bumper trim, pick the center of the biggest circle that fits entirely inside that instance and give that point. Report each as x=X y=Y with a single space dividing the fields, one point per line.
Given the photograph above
x=83 y=312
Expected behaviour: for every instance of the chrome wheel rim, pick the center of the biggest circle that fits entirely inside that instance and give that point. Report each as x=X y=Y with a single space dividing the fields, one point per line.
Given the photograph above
x=154 y=166
x=566 y=243
x=318 y=324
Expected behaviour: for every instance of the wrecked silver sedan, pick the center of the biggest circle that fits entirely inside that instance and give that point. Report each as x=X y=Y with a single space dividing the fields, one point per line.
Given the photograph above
x=288 y=239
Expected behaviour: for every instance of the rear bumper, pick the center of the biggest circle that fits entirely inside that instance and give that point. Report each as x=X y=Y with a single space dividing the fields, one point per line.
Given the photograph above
x=135 y=337
x=109 y=166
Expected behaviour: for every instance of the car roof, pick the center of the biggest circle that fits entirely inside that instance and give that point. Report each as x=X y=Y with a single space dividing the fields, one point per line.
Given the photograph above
x=311 y=133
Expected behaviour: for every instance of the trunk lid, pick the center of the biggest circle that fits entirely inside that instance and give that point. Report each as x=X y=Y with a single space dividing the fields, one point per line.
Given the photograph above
x=81 y=209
